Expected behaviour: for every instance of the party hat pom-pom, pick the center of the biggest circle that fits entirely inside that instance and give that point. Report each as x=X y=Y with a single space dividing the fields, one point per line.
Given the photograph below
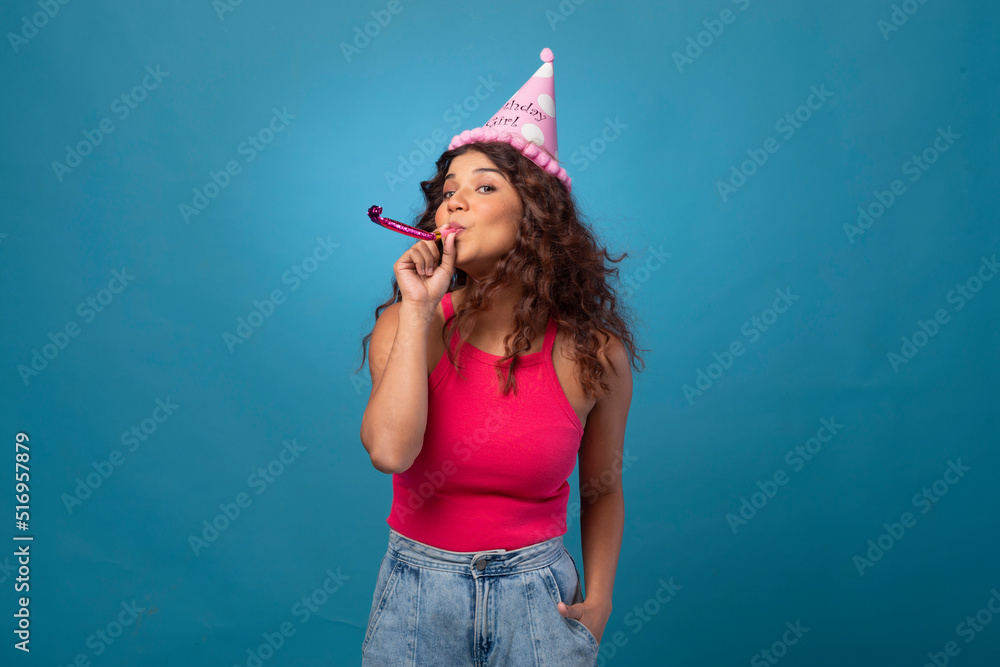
x=546 y=55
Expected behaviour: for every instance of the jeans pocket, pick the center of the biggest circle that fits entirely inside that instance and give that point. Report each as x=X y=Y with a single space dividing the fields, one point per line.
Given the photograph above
x=588 y=635
x=564 y=586
x=387 y=577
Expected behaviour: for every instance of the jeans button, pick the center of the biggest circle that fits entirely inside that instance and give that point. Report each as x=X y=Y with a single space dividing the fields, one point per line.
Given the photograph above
x=481 y=564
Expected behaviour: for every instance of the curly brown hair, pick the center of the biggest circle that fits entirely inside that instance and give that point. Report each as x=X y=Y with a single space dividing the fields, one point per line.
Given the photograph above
x=556 y=259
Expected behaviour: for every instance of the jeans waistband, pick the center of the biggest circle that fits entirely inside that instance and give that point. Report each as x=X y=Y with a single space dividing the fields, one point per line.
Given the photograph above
x=476 y=563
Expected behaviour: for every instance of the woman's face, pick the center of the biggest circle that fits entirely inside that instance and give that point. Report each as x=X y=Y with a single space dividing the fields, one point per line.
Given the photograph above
x=479 y=198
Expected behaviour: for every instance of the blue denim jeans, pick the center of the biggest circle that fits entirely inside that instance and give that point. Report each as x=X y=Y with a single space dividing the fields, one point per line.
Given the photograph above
x=482 y=609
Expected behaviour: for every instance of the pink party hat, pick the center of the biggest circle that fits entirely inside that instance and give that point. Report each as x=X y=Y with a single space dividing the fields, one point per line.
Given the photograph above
x=527 y=122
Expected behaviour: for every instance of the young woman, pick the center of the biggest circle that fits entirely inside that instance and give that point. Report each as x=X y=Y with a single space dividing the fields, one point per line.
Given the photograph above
x=501 y=356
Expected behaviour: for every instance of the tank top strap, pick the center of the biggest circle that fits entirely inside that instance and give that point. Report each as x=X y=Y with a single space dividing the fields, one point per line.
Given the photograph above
x=447 y=305
x=449 y=309
x=550 y=336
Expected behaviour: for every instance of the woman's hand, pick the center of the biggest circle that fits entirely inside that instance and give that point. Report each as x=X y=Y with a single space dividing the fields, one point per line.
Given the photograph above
x=420 y=277
x=592 y=615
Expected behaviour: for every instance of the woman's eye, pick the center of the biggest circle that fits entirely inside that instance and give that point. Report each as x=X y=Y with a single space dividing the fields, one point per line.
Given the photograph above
x=489 y=188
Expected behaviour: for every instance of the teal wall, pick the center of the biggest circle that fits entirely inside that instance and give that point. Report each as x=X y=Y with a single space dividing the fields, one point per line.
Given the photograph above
x=808 y=196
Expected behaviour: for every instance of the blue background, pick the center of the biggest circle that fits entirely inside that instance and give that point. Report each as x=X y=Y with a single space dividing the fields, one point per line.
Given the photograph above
x=362 y=121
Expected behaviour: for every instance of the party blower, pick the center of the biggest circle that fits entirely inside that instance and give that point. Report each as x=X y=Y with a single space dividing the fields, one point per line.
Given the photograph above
x=375 y=213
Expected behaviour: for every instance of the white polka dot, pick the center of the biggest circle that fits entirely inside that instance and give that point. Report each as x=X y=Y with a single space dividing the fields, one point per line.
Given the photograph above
x=547 y=104
x=545 y=70
x=533 y=133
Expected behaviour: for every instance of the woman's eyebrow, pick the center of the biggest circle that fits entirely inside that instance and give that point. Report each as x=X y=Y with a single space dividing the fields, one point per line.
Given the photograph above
x=476 y=171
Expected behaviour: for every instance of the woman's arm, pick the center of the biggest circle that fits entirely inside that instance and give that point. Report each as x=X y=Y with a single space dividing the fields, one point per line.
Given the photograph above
x=602 y=503
x=393 y=425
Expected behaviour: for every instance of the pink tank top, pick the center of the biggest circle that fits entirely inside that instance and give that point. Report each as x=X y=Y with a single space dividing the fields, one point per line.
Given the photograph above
x=493 y=470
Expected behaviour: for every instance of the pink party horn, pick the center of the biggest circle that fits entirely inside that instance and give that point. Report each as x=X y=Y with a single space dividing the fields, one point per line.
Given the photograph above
x=375 y=213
